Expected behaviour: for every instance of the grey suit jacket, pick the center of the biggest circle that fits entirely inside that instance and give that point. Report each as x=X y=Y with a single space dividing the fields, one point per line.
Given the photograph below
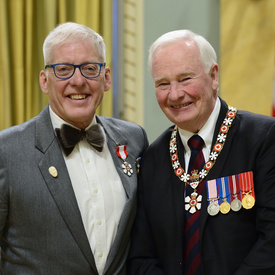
x=41 y=228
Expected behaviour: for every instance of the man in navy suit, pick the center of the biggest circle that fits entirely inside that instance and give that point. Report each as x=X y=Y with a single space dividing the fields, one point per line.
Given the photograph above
x=227 y=224
x=68 y=177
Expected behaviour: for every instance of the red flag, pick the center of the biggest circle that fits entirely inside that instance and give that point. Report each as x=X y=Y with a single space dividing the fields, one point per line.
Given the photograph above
x=273 y=95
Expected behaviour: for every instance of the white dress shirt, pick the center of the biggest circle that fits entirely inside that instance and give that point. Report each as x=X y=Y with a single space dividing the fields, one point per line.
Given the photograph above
x=206 y=133
x=99 y=193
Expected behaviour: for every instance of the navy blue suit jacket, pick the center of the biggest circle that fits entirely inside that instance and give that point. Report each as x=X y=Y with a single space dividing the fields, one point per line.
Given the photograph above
x=240 y=242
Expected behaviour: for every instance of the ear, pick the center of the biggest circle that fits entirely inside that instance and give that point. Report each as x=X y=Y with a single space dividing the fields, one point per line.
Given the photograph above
x=108 y=80
x=214 y=73
x=43 y=82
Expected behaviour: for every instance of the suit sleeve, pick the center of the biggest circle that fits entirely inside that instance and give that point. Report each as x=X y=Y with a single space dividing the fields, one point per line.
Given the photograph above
x=4 y=191
x=260 y=260
x=143 y=259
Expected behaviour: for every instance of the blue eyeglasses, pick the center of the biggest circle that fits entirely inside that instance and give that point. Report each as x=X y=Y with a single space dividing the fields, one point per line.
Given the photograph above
x=66 y=71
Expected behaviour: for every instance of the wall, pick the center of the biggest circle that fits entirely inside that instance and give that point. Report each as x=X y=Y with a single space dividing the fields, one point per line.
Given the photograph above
x=247 y=31
x=160 y=16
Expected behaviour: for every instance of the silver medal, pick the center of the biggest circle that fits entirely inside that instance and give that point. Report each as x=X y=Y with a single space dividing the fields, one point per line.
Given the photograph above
x=213 y=208
x=236 y=205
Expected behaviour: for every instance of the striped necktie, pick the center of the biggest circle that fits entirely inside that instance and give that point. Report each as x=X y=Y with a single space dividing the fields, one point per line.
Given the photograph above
x=192 y=257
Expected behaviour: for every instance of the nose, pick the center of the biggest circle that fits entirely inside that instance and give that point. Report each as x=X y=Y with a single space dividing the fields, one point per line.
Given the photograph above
x=77 y=79
x=176 y=91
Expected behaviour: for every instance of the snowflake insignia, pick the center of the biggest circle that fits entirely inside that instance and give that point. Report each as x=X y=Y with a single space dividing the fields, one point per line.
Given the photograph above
x=173 y=149
x=230 y=108
x=176 y=164
x=185 y=177
x=221 y=137
x=203 y=173
x=213 y=155
x=227 y=121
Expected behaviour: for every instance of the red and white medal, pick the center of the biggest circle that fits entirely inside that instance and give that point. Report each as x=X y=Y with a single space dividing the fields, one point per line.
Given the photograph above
x=236 y=204
x=247 y=189
x=213 y=198
x=193 y=203
x=122 y=153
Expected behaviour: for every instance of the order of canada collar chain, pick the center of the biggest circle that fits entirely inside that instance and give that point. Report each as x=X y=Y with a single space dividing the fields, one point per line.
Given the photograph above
x=179 y=171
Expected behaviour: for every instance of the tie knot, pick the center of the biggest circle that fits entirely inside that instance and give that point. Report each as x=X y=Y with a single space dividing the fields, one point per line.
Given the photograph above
x=195 y=142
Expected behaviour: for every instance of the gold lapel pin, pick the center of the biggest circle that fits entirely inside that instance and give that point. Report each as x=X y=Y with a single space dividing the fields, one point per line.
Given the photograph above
x=53 y=171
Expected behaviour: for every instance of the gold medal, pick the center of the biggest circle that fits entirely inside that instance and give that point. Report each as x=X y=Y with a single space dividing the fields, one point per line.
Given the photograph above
x=225 y=207
x=248 y=201
x=247 y=187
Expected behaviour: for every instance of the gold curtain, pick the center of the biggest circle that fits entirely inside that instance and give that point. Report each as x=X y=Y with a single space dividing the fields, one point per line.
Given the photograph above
x=247 y=33
x=24 y=24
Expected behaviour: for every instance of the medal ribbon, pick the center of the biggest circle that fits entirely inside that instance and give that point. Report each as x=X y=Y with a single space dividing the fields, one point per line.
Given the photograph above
x=234 y=187
x=122 y=152
x=246 y=184
x=224 y=189
x=212 y=191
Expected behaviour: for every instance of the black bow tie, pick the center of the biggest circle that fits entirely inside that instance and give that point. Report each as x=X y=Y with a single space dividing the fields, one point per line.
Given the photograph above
x=69 y=136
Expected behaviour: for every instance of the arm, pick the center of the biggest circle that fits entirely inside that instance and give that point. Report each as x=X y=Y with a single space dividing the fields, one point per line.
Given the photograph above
x=4 y=194
x=143 y=257
x=260 y=260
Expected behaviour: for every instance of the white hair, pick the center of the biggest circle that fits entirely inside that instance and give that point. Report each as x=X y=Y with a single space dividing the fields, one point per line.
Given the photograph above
x=71 y=32
x=207 y=52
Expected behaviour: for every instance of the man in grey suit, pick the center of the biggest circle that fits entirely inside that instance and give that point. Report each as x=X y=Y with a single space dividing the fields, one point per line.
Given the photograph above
x=68 y=177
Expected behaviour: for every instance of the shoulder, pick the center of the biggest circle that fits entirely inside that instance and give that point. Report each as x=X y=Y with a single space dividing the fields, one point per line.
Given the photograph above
x=26 y=128
x=114 y=122
x=254 y=117
x=25 y=133
x=253 y=131
x=17 y=139
x=17 y=131
x=254 y=122
x=121 y=126
x=160 y=147
x=164 y=138
x=124 y=131
x=247 y=122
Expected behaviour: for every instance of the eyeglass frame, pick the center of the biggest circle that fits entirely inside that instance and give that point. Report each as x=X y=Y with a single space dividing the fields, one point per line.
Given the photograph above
x=75 y=66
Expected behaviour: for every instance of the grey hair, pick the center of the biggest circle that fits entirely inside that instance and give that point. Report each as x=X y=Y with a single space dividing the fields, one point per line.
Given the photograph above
x=71 y=32
x=208 y=54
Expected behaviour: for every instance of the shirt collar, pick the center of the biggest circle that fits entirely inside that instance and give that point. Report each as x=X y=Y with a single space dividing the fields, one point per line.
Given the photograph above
x=206 y=132
x=58 y=121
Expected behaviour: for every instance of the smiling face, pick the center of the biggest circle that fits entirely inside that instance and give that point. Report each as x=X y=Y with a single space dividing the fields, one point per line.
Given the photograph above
x=76 y=99
x=185 y=92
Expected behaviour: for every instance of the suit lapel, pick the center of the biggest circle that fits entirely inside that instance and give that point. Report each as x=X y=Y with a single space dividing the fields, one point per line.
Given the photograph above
x=114 y=139
x=60 y=187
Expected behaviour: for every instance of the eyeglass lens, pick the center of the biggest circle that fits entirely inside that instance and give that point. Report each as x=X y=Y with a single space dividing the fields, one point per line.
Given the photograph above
x=67 y=70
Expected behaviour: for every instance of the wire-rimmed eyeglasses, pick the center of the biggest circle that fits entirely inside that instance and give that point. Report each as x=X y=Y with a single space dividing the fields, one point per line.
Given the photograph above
x=65 y=70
